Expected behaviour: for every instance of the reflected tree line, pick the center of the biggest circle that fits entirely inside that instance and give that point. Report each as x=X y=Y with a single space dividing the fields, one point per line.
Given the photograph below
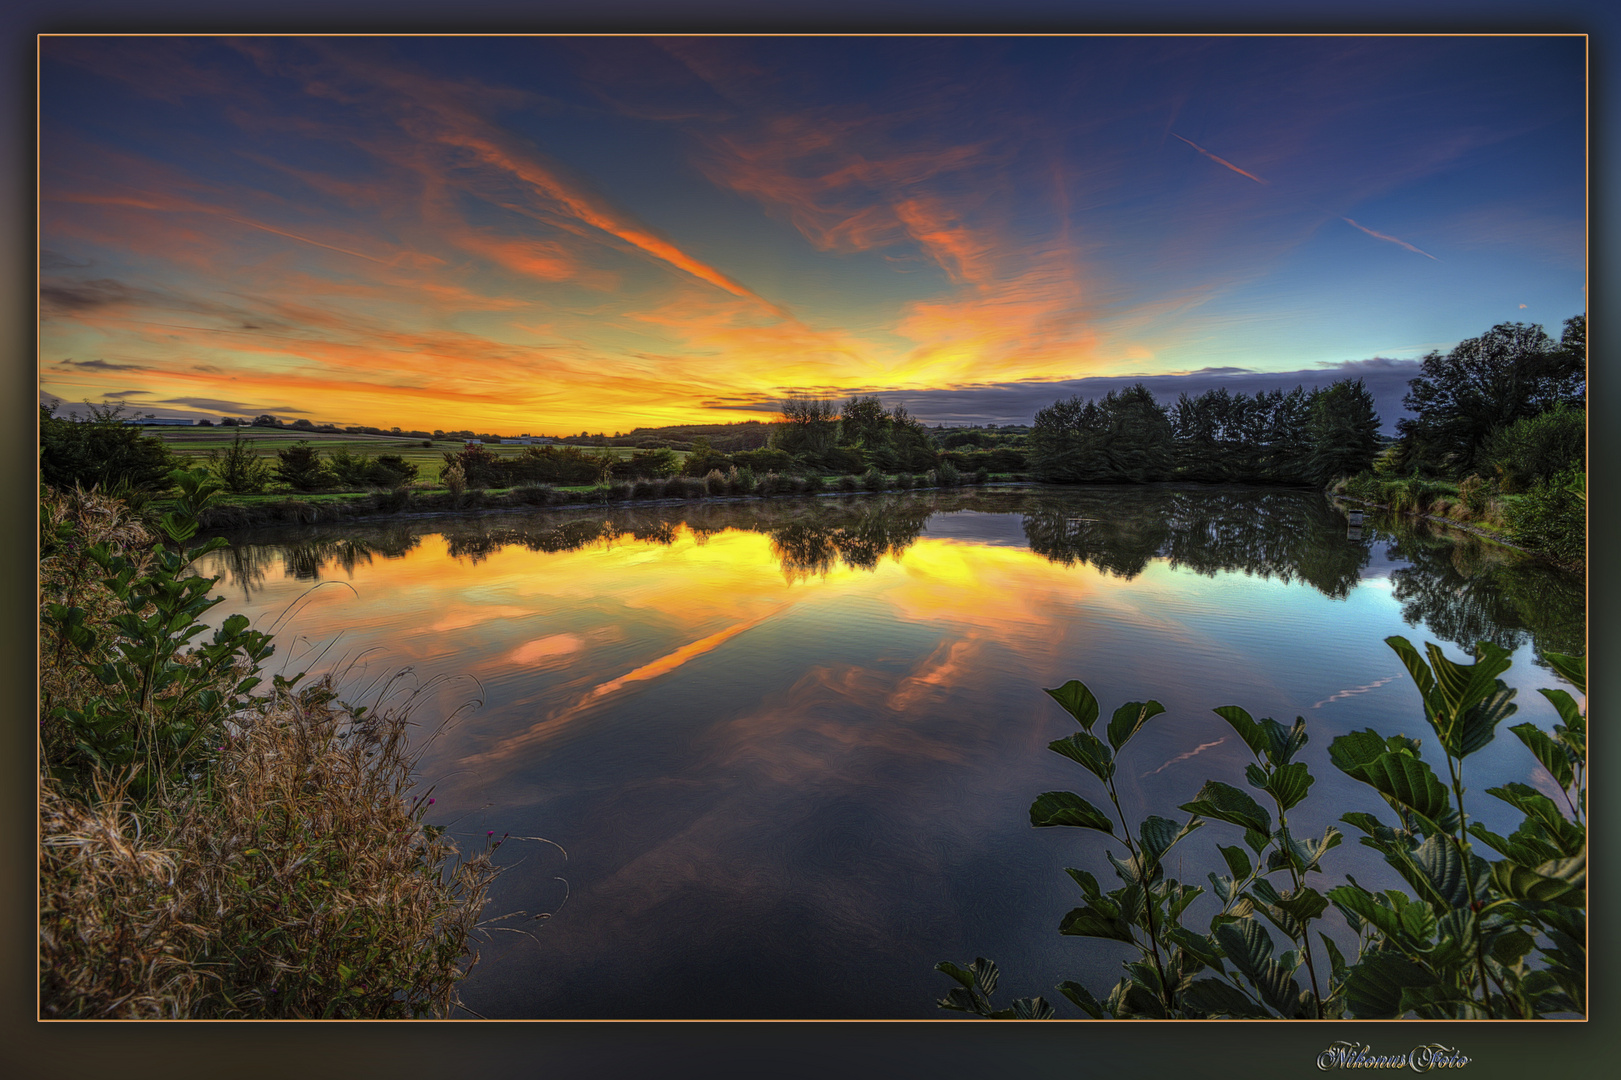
x=1288 y=535
x=1464 y=590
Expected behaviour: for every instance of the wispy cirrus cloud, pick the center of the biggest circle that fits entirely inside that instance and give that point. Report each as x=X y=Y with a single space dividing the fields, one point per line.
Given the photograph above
x=1388 y=238
x=1221 y=160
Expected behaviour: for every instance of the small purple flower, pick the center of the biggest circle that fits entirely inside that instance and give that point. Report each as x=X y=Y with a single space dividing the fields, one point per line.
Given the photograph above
x=430 y=802
x=490 y=833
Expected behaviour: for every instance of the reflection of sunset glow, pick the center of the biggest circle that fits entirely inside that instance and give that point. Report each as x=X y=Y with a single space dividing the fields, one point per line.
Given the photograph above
x=844 y=756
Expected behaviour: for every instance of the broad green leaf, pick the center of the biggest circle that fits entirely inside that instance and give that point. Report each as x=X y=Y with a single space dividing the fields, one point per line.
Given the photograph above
x=1510 y=946
x=961 y=974
x=1279 y=989
x=1573 y=669
x=1443 y=868
x=1560 y=881
x=1247 y=728
x=1570 y=838
x=1178 y=898
x=1216 y=997
x=1452 y=692
x=1569 y=712
x=1440 y=1002
x=1159 y=835
x=1335 y=957
x=1553 y=755
x=1031 y=1009
x=1304 y=903
x=1078 y=701
x=1088 y=883
x=1089 y=922
x=1067 y=808
x=1479 y=723
x=1268 y=902
x=1129 y=1001
x=1418 y=921
x=1129 y=719
x=1374 y=985
x=1356 y=748
x=1247 y=945
x=1237 y=861
x=1355 y=900
x=1406 y=779
x=1288 y=784
x=1227 y=803
x=1088 y=750
x=1525 y=848
x=1082 y=997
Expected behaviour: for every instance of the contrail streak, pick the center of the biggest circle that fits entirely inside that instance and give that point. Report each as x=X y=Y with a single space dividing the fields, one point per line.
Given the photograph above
x=1392 y=239
x=1221 y=161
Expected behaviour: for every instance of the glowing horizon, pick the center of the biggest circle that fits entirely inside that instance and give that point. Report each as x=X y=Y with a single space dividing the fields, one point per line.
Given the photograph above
x=564 y=234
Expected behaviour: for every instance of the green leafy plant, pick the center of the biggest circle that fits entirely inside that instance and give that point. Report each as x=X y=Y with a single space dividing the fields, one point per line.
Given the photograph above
x=1473 y=938
x=158 y=699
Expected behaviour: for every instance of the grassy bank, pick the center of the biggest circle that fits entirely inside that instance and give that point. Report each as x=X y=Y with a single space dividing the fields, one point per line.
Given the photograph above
x=1549 y=520
x=209 y=849
x=247 y=511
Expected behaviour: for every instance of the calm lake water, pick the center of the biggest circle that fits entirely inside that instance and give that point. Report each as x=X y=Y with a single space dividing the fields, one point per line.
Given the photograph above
x=789 y=747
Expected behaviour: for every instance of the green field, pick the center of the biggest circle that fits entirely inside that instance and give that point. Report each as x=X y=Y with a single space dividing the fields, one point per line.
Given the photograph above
x=194 y=444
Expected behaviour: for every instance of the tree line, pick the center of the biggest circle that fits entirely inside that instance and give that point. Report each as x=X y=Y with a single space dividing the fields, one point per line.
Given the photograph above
x=1296 y=438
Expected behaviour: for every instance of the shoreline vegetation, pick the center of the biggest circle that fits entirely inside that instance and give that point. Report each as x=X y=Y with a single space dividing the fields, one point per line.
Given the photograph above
x=208 y=851
x=214 y=848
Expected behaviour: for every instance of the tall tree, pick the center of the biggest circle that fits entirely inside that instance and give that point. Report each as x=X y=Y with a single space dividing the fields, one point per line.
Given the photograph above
x=1483 y=385
x=809 y=425
x=864 y=423
x=1344 y=431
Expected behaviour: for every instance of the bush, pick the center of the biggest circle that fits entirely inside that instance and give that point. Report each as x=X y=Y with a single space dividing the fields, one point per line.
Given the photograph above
x=849 y=483
x=1534 y=449
x=238 y=467
x=1475 y=493
x=946 y=475
x=455 y=479
x=982 y=475
x=392 y=470
x=1552 y=518
x=904 y=481
x=101 y=452
x=715 y=482
x=740 y=480
x=765 y=461
x=205 y=854
x=301 y=468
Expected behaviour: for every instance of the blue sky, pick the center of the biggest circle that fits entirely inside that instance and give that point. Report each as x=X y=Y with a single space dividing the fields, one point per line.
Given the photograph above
x=563 y=234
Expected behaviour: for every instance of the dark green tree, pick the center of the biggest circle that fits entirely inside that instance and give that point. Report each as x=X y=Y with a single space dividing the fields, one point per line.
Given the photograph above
x=301 y=467
x=239 y=467
x=864 y=423
x=1344 y=431
x=809 y=426
x=101 y=451
x=1482 y=386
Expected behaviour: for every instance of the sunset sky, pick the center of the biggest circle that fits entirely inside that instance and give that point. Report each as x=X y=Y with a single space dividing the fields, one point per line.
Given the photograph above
x=550 y=235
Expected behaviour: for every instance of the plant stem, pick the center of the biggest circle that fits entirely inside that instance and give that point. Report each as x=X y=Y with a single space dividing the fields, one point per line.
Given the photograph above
x=1469 y=883
x=1148 y=895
